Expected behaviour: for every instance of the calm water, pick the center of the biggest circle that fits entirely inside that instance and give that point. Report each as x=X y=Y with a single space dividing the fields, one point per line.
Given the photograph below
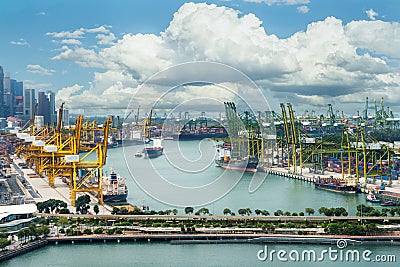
x=164 y=254
x=275 y=193
x=191 y=164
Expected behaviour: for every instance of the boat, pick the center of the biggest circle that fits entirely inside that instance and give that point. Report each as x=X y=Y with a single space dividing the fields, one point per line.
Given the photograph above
x=138 y=154
x=154 y=151
x=200 y=133
x=224 y=160
x=388 y=204
x=372 y=198
x=348 y=185
x=114 y=188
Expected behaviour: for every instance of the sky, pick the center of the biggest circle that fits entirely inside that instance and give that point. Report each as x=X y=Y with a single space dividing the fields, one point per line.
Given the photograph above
x=96 y=55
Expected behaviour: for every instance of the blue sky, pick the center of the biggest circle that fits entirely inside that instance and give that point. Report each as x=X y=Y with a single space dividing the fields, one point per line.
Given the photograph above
x=31 y=51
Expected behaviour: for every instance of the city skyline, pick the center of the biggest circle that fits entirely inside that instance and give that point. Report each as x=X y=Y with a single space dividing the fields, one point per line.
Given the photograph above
x=306 y=52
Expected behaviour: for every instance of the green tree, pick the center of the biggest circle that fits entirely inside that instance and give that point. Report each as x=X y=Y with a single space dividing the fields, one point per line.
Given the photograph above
x=227 y=211
x=175 y=211
x=189 y=210
x=4 y=242
x=257 y=211
x=3 y=233
x=96 y=209
x=115 y=210
x=310 y=211
x=248 y=211
x=242 y=211
x=278 y=213
x=98 y=231
x=265 y=213
x=322 y=210
x=82 y=204
x=287 y=213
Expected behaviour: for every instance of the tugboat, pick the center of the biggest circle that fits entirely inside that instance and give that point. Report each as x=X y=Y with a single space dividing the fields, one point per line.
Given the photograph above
x=372 y=198
x=154 y=151
x=114 y=188
x=224 y=160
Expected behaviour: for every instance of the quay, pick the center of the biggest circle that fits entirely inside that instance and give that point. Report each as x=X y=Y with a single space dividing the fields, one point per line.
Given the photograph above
x=392 y=191
x=201 y=238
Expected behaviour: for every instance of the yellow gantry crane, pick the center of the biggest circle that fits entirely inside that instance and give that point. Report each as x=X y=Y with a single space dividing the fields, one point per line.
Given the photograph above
x=56 y=154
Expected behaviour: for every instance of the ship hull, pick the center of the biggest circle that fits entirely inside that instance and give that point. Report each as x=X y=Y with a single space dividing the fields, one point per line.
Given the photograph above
x=115 y=198
x=152 y=152
x=238 y=165
x=190 y=137
x=337 y=188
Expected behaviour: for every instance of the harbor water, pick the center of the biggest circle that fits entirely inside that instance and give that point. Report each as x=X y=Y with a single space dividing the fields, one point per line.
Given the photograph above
x=164 y=254
x=275 y=192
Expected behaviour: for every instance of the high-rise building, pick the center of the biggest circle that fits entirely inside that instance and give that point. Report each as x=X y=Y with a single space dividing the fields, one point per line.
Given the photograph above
x=1 y=92
x=29 y=103
x=52 y=101
x=65 y=117
x=17 y=88
x=44 y=107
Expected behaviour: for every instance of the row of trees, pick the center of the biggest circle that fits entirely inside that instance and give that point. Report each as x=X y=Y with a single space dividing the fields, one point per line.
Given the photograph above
x=33 y=231
x=363 y=210
x=248 y=212
x=53 y=206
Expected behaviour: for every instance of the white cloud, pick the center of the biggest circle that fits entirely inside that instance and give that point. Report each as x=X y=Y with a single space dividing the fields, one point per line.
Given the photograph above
x=33 y=84
x=105 y=39
x=37 y=69
x=67 y=34
x=376 y=36
x=79 y=33
x=322 y=61
x=103 y=29
x=65 y=94
x=371 y=14
x=41 y=13
x=20 y=42
x=71 y=41
x=284 y=2
x=303 y=9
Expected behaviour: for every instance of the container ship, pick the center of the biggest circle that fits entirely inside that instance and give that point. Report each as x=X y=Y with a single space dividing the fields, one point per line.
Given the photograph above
x=348 y=186
x=200 y=133
x=154 y=151
x=224 y=160
x=114 y=188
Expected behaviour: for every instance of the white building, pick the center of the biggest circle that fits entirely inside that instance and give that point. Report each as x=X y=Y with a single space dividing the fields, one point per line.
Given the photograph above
x=16 y=217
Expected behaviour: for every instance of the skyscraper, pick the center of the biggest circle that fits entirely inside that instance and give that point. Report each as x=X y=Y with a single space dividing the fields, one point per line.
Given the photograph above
x=1 y=92
x=44 y=107
x=52 y=101
x=29 y=103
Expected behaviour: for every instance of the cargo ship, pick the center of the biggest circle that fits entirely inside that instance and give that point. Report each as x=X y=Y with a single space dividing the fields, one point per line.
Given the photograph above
x=348 y=186
x=114 y=188
x=200 y=133
x=224 y=160
x=154 y=151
